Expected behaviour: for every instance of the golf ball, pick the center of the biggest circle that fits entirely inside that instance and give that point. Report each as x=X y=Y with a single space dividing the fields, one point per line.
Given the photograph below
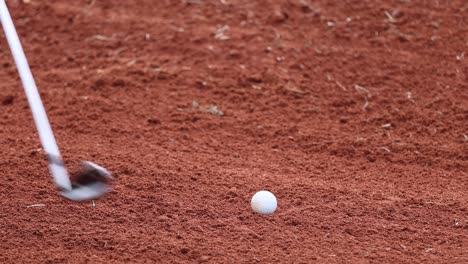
x=264 y=202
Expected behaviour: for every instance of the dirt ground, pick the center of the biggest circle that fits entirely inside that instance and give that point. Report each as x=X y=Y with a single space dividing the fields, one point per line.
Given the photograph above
x=353 y=113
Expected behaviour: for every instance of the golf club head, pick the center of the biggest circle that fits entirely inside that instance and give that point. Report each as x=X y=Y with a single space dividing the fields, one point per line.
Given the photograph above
x=92 y=182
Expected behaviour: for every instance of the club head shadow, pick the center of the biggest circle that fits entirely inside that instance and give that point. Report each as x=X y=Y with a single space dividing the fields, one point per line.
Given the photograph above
x=91 y=182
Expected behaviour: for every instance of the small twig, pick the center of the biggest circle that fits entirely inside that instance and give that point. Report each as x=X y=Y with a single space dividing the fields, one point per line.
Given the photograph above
x=101 y=37
x=386 y=149
x=359 y=88
x=366 y=103
x=131 y=62
x=293 y=88
x=35 y=205
x=391 y=19
x=118 y=51
x=340 y=85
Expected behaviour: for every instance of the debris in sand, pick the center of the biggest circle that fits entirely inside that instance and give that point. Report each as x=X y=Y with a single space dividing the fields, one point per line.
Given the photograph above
x=213 y=109
x=35 y=205
x=340 y=85
x=360 y=89
x=101 y=37
x=386 y=149
x=366 y=103
x=219 y=33
x=390 y=18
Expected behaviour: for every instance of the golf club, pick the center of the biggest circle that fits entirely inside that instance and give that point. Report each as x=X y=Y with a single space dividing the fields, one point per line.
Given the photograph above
x=93 y=180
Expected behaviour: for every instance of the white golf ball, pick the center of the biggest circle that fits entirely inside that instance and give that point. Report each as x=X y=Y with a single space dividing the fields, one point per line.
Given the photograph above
x=264 y=202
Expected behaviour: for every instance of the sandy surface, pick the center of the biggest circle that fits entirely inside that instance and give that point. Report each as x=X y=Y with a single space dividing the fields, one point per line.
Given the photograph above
x=354 y=113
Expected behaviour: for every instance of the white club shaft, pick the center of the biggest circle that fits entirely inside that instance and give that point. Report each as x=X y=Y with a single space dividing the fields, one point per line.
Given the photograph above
x=40 y=117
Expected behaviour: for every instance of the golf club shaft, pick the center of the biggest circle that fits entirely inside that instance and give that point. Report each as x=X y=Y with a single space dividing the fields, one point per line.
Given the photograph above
x=46 y=135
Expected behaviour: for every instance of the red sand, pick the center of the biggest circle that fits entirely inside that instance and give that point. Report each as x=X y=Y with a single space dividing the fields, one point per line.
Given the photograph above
x=354 y=113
